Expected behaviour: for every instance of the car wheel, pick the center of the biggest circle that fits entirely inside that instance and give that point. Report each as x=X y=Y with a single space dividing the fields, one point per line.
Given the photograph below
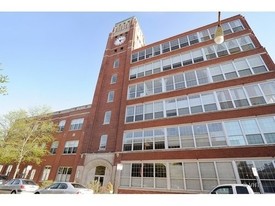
x=37 y=193
x=13 y=192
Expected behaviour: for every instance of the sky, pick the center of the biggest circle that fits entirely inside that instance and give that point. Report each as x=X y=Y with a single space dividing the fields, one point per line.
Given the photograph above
x=52 y=58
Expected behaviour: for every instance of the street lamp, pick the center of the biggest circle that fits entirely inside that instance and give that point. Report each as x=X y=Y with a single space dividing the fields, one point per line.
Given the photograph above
x=219 y=38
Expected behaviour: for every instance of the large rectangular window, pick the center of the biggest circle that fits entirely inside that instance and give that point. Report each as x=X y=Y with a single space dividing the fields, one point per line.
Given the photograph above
x=107 y=117
x=103 y=142
x=64 y=174
x=54 y=147
x=61 y=125
x=46 y=173
x=71 y=147
x=76 y=124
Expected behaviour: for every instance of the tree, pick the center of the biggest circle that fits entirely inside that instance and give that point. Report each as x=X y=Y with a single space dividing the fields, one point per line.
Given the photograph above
x=24 y=136
x=3 y=79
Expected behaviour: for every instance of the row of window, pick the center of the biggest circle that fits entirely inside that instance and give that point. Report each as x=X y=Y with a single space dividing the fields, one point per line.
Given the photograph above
x=228 y=70
x=202 y=54
x=63 y=174
x=253 y=131
x=199 y=176
x=76 y=124
x=233 y=26
x=69 y=148
x=227 y=98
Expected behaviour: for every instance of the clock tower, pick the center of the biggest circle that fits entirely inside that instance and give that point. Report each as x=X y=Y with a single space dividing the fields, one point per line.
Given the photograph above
x=103 y=139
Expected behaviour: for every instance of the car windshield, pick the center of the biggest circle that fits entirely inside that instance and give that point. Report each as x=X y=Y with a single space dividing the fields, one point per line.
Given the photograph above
x=28 y=182
x=77 y=185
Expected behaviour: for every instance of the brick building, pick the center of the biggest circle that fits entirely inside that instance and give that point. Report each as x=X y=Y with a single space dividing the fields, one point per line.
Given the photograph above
x=65 y=151
x=183 y=114
x=180 y=115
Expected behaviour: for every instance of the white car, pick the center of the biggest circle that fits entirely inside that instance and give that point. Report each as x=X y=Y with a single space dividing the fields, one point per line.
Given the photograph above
x=64 y=188
x=232 y=189
x=18 y=186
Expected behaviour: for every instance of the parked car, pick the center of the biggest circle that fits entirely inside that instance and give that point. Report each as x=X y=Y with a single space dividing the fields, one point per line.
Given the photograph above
x=232 y=189
x=64 y=188
x=18 y=186
x=3 y=179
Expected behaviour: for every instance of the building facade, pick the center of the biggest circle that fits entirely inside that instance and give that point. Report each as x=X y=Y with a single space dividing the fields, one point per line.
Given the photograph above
x=65 y=151
x=183 y=114
x=180 y=115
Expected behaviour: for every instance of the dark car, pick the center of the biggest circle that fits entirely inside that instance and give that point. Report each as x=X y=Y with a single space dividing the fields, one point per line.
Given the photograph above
x=3 y=179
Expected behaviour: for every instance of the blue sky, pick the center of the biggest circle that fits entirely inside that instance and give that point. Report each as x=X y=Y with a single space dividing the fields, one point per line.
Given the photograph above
x=53 y=58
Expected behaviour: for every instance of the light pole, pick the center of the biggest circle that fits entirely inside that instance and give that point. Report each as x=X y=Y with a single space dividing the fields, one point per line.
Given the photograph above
x=219 y=37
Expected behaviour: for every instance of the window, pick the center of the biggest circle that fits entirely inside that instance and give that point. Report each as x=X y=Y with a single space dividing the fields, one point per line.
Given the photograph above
x=127 y=141
x=197 y=56
x=111 y=95
x=269 y=91
x=130 y=114
x=234 y=132
x=114 y=79
x=157 y=50
x=209 y=102
x=137 y=140
x=61 y=125
x=116 y=63
x=107 y=117
x=257 y=64
x=251 y=131
x=166 y=64
x=209 y=52
x=246 y=43
x=54 y=147
x=76 y=124
x=184 y=42
x=170 y=106
x=139 y=113
x=141 y=55
x=103 y=142
x=71 y=147
x=193 y=38
x=204 y=35
x=64 y=174
x=267 y=125
x=242 y=67
x=216 y=134
x=149 y=52
x=229 y=71
x=221 y=50
x=226 y=28
x=46 y=173
x=174 y=44
x=239 y=97
x=186 y=59
x=216 y=73
x=8 y=171
x=225 y=99
x=201 y=135
x=255 y=95
x=165 y=47
x=135 y=57
x=233 y=46
x=173 y=137
x=236 y=25
x=195 y=104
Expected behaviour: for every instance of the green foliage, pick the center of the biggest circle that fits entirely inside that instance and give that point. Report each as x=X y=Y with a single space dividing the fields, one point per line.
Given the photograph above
x=24 y=136
x=3 y=79
x=46 y=183
x=98 y=189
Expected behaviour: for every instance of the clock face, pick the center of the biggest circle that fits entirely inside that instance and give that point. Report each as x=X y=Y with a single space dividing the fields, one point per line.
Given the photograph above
x=120 y=40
